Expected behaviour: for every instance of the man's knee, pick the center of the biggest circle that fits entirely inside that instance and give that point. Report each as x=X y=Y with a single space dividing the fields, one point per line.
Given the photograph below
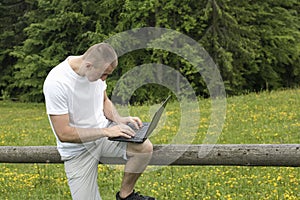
x=145 y=148
x=148 y=147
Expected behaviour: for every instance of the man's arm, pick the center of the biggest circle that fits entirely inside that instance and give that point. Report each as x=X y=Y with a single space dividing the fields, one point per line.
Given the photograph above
x=66 y=133
x=110 y=111
x=112 y=114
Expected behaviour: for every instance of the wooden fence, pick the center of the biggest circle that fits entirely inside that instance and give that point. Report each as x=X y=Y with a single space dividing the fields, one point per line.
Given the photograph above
x=287 y=155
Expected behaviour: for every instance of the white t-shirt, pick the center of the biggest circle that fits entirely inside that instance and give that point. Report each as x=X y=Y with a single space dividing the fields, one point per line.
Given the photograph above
x=68 y=93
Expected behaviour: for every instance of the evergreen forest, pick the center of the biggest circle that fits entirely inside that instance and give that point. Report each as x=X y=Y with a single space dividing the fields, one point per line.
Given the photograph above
x=254 y=43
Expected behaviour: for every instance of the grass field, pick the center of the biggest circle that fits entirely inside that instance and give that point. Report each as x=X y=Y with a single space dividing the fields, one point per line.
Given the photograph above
x=267 y=117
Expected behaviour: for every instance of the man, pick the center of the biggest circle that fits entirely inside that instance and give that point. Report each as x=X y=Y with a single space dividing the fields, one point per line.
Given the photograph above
x=80 y=112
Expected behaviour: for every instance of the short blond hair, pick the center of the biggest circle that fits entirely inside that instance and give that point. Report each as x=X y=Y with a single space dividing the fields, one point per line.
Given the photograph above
x=101 y=54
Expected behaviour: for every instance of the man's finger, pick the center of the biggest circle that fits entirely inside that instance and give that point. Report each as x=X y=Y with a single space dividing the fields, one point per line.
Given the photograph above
x=127 y=130
x=137 y=122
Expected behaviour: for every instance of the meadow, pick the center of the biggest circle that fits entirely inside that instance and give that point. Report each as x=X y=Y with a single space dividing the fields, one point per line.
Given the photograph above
x=266 y=117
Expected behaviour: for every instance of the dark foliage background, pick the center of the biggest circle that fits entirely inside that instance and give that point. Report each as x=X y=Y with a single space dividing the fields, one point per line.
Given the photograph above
x=254 y=43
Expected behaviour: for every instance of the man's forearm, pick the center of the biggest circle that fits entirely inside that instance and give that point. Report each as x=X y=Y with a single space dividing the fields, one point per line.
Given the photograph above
x=111 y=112
x=81 y=135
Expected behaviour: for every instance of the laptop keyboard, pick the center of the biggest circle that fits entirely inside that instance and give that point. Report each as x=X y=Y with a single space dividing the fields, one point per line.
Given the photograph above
x=139 y=133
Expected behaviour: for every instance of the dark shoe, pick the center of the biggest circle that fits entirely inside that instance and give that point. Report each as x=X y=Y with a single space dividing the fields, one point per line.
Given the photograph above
x=134 y=196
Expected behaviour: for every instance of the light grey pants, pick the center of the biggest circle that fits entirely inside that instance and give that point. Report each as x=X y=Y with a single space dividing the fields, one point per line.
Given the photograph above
x=82 y=171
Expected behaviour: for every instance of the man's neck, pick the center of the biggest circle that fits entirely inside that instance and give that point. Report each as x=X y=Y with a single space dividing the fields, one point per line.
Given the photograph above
x=75 y=63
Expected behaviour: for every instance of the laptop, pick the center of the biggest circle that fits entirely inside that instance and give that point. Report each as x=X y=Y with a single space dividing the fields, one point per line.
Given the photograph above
x=145 y=131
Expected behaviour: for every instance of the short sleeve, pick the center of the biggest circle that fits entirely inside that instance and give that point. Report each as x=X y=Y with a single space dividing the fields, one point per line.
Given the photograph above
x=55 y=98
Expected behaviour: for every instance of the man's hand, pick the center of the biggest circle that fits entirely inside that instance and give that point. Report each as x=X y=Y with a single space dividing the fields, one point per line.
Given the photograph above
x=120 y=130
x=137 y=122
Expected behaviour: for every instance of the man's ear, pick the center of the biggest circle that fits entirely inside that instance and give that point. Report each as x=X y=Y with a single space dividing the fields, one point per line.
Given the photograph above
x=88 y=65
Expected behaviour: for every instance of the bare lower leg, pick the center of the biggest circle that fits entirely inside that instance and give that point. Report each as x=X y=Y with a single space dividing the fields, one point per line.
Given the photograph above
x=137 y=163
x=128 y=183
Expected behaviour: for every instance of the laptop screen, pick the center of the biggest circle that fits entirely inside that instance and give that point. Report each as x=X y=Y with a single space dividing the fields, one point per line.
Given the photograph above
x=156 y=117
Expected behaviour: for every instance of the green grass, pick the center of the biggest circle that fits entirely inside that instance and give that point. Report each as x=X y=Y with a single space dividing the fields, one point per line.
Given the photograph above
x=268 y=117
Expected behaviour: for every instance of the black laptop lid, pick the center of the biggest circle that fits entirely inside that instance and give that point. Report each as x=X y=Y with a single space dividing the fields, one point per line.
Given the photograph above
x=156 y=117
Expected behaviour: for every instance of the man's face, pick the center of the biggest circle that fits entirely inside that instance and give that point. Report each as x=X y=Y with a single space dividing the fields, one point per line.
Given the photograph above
x=95 y=73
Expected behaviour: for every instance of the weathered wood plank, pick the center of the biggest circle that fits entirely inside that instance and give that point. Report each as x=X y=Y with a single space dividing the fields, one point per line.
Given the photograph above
x=229 y=154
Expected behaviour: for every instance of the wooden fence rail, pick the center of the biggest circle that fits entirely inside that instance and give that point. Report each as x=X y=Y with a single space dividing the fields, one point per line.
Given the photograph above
x=287 y=155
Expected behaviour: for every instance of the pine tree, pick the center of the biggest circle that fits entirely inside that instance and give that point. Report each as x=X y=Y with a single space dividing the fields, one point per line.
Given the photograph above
x=254 y=43
x=276 y=24
x=12 y=24
x=56 y=30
